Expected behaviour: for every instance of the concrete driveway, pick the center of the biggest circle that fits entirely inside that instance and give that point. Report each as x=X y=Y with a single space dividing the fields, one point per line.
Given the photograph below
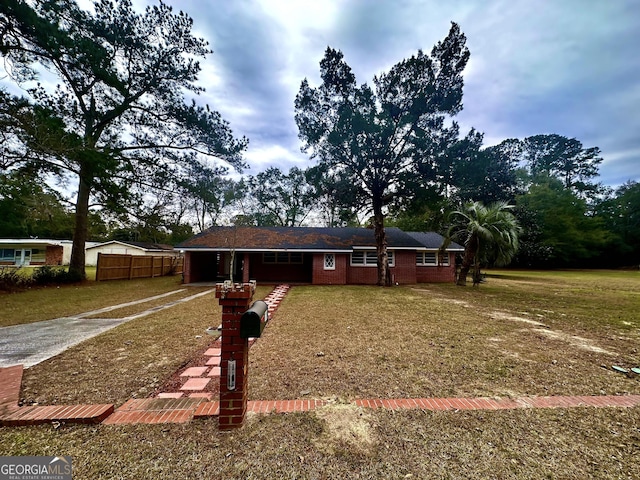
x=32 y=343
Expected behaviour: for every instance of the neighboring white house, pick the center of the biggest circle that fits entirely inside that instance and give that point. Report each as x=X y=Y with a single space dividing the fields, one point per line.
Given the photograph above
x=67 y=246
x=23 y=252
x=128 y=248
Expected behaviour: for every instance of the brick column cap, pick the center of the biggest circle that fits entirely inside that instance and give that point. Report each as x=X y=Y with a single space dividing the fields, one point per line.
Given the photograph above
x=227 y=290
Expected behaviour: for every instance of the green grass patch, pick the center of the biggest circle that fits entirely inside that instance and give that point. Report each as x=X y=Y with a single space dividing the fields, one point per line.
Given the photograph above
x=49 y=302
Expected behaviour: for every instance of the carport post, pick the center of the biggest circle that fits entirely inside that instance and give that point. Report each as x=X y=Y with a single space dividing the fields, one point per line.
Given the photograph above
x=234 y=360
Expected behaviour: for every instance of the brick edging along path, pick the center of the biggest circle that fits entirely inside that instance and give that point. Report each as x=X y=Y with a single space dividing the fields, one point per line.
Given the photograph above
x=158 y=410
x=181 y=410
x=168 y=410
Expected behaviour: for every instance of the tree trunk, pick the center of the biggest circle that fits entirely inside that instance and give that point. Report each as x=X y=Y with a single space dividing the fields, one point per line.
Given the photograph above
x=384 y=276
x=77 y=263
x=469 y=255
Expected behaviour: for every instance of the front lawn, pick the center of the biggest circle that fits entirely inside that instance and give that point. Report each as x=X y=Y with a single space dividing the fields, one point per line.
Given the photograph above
x=517 y=334
x=341 y=442
x=520 y=333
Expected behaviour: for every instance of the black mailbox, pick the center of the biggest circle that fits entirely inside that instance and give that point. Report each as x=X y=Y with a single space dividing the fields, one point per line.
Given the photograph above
x=253 y=321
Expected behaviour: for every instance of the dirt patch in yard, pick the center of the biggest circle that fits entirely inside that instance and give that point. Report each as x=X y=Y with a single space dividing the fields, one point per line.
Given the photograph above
x=577 y=342
x=346 y=427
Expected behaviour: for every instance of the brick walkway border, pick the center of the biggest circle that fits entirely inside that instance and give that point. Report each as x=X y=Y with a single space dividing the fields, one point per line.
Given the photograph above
x=182 y=410
x=153 y=411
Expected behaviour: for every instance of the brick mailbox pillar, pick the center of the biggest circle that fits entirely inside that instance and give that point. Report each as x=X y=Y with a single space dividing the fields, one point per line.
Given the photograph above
x=235 y=300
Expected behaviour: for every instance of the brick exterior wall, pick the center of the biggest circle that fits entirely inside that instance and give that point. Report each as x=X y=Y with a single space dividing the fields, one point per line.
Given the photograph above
x=362 y=275
x=404 y=271
x=186 y=271
x=439 y=274
x=53 y=255
x=201 y=266
x=330 y=277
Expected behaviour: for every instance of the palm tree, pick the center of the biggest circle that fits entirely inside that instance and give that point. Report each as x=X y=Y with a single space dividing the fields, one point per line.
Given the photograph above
x=489 y=233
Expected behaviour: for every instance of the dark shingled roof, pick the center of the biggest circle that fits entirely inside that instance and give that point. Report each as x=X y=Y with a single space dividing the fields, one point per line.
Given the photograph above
x=433 y=240
x=295 y=238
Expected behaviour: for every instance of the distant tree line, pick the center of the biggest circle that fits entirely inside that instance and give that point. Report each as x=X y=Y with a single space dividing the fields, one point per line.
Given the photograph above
x=562 y=226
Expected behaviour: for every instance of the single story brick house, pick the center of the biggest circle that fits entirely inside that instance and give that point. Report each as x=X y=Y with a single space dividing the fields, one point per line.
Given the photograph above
x=315 y=255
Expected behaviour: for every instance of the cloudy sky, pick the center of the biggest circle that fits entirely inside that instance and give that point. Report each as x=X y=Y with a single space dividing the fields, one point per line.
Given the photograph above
x=565 y=66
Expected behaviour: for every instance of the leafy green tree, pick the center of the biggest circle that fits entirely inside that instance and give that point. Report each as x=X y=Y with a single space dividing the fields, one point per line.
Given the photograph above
x=335 y=197
x=376 y=136
x=31 y=209
x=570 y=235
x=489 y=235
x=626 y=221
x=281 y=199
x=487 y=175
x=620 y=214
x=204 y=193
x=461 y=173
x=563 y=158
x=118 y=116
x=532 y=250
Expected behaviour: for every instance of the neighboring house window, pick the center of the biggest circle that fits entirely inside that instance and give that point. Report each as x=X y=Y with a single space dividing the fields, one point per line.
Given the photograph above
x=7 y=254
x=369 y=258
x=426 y=258
x=329 y=261
x=38 y=255
x=282 y=257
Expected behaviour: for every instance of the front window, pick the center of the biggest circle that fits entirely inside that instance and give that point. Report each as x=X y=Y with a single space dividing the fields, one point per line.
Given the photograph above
x=432 y=259
x=282 y=257
x=329 y=261
x=6 y=254
x=369 y=258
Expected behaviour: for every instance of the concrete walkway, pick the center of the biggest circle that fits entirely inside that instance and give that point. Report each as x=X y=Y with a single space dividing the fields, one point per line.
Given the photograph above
x=33 y=343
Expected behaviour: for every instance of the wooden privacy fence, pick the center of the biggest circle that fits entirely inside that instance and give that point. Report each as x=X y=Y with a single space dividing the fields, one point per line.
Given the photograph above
x=113 y=266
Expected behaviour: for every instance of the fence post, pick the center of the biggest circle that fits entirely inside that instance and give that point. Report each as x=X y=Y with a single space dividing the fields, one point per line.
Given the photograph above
x=130 y=267
x=98 y=268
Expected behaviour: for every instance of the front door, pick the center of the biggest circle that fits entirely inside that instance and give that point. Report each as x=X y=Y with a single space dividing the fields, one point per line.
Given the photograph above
x=22 y=257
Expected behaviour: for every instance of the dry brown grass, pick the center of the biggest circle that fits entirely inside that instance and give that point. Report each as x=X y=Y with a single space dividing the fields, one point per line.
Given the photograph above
x=521 y=444
x=518 y=335
x=347 y=342
x=54 y=302
x=131 y=360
